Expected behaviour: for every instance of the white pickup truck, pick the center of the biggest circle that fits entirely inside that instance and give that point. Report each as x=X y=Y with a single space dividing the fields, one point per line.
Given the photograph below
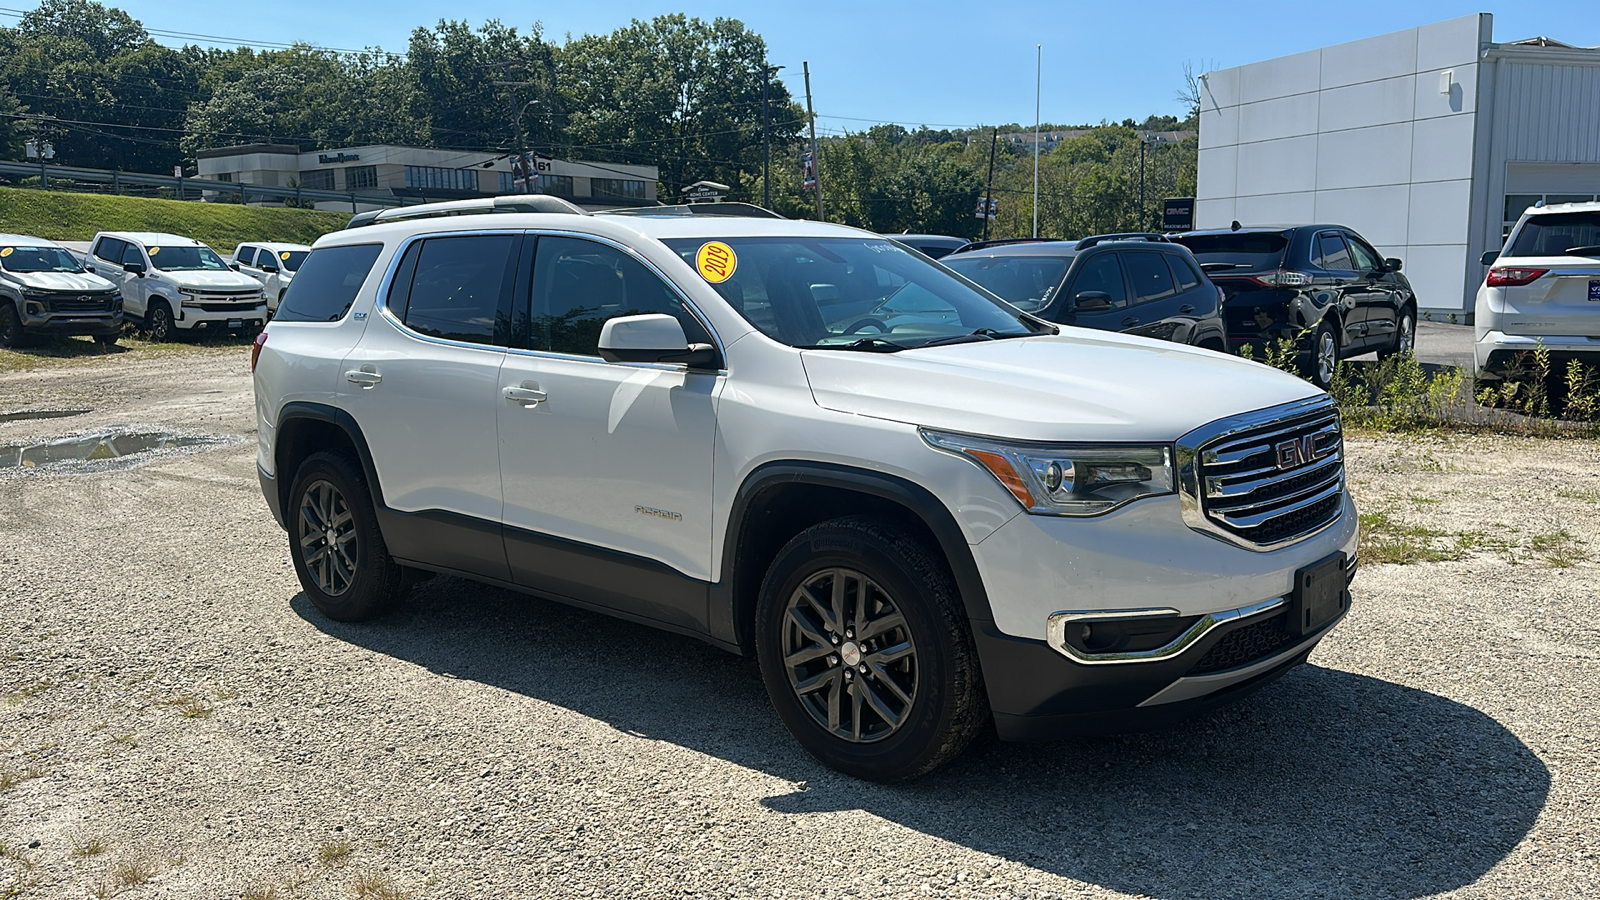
x=175 y=284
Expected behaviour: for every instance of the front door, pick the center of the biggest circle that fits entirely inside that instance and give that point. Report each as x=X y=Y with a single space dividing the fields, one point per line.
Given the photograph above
x=1381 y=297
x=606 y=466
x=1349 y=290
x=1096 y=296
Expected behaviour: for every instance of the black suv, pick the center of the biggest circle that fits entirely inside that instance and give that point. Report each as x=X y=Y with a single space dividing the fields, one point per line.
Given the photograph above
x=1322 y=286
x=1136 y=283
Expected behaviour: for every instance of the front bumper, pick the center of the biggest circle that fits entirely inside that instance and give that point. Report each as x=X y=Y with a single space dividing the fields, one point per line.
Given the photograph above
x=1037 y=694
x=1498 y=354
x=269 y=490
x=97 y=324
x=200 y=319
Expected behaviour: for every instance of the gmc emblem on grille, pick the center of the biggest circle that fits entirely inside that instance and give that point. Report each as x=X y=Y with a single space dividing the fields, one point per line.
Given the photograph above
x=1293 y=454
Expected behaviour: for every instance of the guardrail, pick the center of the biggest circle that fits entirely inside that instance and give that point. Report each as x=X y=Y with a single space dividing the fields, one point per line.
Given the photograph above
x=186 y=188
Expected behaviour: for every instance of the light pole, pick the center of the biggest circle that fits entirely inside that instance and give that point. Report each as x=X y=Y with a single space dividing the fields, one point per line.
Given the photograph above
x=1148 y=140
x=531 y=168
x=766 y=135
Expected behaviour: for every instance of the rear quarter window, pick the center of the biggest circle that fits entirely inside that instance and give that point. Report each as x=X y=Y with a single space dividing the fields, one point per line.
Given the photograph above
x=326 y=286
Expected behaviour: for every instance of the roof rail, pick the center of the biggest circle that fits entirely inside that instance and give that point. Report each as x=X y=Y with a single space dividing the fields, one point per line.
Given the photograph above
x=1001 y=242
x=747 y=210
x=1152 y=236
x=515 y=203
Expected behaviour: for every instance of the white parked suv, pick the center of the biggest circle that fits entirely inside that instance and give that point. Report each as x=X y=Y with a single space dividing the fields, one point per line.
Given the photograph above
x=920 y=509
x=171 y=284
x=271 y=264
x=1542 y=289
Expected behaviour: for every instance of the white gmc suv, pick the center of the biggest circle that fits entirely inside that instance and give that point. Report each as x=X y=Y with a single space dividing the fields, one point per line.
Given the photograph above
x=175 y=284
x=920 y=509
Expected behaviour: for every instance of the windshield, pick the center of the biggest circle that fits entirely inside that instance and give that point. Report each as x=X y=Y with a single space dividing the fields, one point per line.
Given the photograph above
x=38 y=259
x=1028 y=282
x=1559 y=234
x=186 y=259
x=849 y=293
x=1244 y=250
x=290 y=260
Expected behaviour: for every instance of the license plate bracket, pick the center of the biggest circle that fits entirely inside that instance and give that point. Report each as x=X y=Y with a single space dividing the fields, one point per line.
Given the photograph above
x=235 y=323
x=1319 y=596
x=1594 y=289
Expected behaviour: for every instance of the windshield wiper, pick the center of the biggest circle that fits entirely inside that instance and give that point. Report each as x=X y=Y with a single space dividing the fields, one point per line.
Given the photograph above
x=870 y=345
x=1217 y=266
x=982 y=334
x=1584 y=251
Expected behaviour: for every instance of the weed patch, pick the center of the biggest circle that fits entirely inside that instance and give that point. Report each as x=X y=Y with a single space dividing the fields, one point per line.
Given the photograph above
x=334 y=853
x=377 y=886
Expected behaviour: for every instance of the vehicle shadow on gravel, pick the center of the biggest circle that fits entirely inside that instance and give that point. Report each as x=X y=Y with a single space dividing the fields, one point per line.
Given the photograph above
x=1323 y=784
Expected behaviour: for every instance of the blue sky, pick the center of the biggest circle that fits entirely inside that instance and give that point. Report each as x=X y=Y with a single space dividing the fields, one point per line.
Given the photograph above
x=938 y=62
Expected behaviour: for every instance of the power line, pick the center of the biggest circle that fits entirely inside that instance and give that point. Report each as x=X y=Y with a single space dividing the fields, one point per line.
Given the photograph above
x=218 y=39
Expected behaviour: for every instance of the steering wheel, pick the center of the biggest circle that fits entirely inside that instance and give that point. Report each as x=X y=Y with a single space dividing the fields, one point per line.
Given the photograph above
x=865 y=323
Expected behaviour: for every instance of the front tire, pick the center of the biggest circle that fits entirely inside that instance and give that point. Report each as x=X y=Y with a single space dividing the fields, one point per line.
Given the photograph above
x=158 y=321
x=865 y=650
x=1405 y=336
x=11 y=331
x=338 y=552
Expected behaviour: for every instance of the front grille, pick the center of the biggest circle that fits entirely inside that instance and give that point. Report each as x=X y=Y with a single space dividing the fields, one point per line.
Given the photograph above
x=1277 y=481
x=230 y=307
x=1246 y=645
x=61 y=303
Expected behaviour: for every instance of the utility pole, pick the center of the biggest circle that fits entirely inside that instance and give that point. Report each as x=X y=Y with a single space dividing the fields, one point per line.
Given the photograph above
x=516 y=123
x=816 y=162
x=1038 y=88
x=1141 y=184
x=766 y=134
x=988 y=188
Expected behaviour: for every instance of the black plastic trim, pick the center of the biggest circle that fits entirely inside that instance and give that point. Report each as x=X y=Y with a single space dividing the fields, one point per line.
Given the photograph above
x=646 y=590
x=269 y=490
x=448 y=539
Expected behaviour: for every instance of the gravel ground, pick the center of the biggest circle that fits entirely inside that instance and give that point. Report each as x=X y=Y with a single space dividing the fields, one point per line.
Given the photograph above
x=179 y=722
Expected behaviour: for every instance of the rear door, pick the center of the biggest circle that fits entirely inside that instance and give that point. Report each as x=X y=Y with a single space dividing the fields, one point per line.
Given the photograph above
x=1565 y=298
x=1157 y=301
x=1347 y=289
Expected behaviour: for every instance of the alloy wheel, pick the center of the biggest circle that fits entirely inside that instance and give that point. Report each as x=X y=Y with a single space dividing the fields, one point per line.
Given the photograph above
x=1408 y=335
x=849 y=655
x=327 y=536
x=1327 y=357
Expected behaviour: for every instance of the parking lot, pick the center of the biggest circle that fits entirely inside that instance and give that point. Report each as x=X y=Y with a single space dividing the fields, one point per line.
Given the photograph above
x=178 y=720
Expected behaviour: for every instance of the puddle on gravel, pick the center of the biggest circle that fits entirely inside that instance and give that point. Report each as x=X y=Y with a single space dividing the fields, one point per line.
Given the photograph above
x=94 y=447
x=41 y=414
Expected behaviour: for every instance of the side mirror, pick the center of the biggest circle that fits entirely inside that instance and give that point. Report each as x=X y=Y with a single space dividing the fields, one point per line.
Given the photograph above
x=1392 y=265
x=1091 y=301
x=134 y=268
x=653 y=338
x=1489 y=257
x=269 y=267
x=234 y=266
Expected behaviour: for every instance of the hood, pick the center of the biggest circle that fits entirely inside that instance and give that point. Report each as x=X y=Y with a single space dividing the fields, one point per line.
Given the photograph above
x=61 y=281
x=227 y=279
x=1080 y=385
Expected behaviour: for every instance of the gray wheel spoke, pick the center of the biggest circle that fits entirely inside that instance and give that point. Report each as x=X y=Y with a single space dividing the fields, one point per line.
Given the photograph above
x=801 y=657
x=884 y=679
x=879 y=706
x=816 y=682
x=833 y=702
x=890 y=654
x=855 y=710
x=838 y=598
x=872 y=629
x=338 y=520
x=809 y=629
x=821 y=608
x=311 y=515
x=309 y=539
x=317 y=556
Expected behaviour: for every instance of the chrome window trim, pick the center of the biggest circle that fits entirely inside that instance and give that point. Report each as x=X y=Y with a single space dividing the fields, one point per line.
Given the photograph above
x=1056 y=630
x=1188 y=456
x=381 y=300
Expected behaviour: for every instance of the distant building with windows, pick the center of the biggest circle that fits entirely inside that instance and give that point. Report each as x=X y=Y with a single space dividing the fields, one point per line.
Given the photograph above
x=1429 y=141
x=1049 y=139
x=419 y=174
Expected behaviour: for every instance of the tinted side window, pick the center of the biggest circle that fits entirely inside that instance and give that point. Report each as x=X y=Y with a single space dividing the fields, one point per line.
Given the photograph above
x=1150 y=276
x=326 y=285
x=462 y=287
x=1366 y=259
x=1182 y=272
x=1104 y=274
x=245 y=256
x=132 y=254
x=110 y=250
x=579 y=284
x=1331 y=252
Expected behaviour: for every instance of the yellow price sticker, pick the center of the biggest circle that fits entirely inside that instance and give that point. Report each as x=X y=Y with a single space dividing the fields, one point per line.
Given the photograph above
x=716 y=262
x=284 y=256
x=154 y=250
x=8 y=251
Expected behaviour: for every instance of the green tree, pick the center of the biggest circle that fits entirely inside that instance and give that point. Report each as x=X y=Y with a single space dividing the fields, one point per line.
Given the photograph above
x=454 y=70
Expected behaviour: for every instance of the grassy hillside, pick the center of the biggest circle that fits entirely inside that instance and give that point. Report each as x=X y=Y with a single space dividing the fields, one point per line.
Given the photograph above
x=64 y=216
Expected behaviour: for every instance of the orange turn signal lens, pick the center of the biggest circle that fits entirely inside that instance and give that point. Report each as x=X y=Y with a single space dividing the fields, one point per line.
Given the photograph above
x=1002 y=469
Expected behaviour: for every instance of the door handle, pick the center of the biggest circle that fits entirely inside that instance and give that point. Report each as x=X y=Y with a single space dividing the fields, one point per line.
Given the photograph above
x=528 y=394
x=365 y=376
x=1186 y=308
x=1129 y=322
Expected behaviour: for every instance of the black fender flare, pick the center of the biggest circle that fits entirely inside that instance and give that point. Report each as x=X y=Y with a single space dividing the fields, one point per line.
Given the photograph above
x=333 y=415
x=724 y=615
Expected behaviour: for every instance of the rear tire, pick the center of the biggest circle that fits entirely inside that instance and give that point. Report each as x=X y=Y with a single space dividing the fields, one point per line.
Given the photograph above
x=338 y=551
x=861 y=593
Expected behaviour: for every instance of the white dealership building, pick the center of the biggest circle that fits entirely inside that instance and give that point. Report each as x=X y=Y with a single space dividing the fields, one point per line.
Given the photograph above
x=1429 y=141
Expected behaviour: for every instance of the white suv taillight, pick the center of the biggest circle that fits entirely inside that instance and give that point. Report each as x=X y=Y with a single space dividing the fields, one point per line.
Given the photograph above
x=255 y=350
x=1514 y=276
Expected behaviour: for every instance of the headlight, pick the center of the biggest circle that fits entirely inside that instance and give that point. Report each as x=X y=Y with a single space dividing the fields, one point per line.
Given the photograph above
x=1068 y=479
x=35 y=295
x=193 y=292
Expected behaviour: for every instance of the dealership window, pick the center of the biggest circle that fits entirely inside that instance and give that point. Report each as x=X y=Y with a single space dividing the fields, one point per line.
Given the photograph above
x=620 y=188
x=317 y=180
x=1516 y=203
x=224 y=176
x=359 y=177
x=437 y=178
x=555 y=185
